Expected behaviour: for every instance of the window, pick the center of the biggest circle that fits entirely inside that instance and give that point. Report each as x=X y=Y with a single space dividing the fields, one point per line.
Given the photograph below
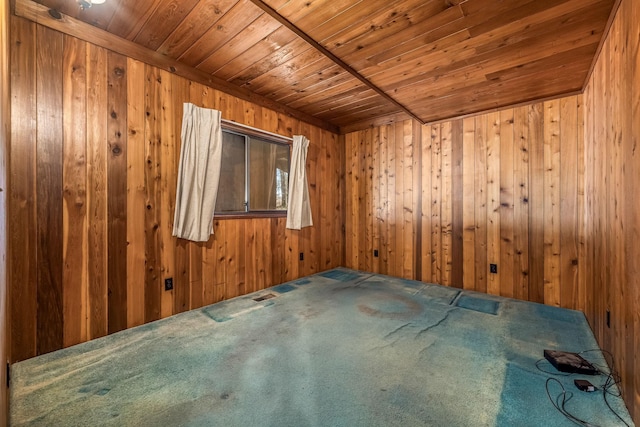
x=254 y=175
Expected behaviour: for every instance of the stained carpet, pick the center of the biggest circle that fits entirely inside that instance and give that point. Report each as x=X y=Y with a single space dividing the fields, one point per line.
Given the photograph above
x=340 y=348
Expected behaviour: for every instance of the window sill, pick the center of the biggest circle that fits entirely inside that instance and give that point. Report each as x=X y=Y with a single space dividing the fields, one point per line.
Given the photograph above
x=250 y=215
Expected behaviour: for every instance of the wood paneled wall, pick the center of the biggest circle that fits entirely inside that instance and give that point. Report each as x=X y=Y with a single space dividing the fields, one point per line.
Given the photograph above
x=95 y=148
x=5 y=132
x=612 y=220
x=442 y=202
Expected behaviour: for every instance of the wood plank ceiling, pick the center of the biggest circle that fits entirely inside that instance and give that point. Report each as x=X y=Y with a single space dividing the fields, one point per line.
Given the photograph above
x=352 y=61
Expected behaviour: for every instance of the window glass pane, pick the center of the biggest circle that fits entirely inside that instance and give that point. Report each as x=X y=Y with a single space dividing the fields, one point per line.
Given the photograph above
x=269 y=175
x=231 y=191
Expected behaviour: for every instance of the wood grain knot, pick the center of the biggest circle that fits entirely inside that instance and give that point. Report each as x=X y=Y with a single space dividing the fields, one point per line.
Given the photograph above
x=54 y=14
x=119 y=72
x=116 y=150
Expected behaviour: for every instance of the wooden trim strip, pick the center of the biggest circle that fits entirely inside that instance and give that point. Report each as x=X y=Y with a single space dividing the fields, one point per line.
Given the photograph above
x=231 y=125
x=41 y=15
x=332 y=57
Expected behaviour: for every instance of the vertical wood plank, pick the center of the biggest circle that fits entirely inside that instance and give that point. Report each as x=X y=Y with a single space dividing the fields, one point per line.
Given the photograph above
x=352 y=201
x=325 y=209
x=536 y=203
x=521 y=203
x=366 y=176
x=136 y=193
x=569 y=203
x=446 y=202
x=552 y=202
x=493 y=201
x=481 y=267
x=117 y=191
x=278 y=249
x=251 y=242
x=153 y=113
x=210 y=262
x=416 y=135
x=374 y=173
x=457 y=195
x=49 y=188
x=468 y=203
x=215 y=271
x=631 y=15
x=5 y=146
x=436 y=204
x=96 y=118
x=74 y=175
x=348 y=223
x=400 y=164
x=615 y=221
x=601 y=193
x=383 y=220
x=339 y=172
x=361 y=212
x=391 y=253
x=425 y=211
x=507 y=252
x=408 y=225
x=22 y=195
x=585 y=262
x=167 y=189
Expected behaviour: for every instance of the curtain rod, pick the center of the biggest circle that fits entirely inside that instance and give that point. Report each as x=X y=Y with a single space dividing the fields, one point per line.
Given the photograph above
x=256 y=130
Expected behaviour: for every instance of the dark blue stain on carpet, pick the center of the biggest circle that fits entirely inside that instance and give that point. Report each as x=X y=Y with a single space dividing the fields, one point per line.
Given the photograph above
x=524 y=384
x=478 y=304
x=521 y=387
x=341 y=276
x=302 y=282
x=556 y=313
x=283 y=289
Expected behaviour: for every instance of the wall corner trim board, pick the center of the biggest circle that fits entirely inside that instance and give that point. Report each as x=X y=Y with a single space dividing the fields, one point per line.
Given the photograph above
x=5 y=140
x=40 y=14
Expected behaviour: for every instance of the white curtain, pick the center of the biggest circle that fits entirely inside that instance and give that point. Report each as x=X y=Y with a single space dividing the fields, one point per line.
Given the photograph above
x=198 y=173
x=299 y=205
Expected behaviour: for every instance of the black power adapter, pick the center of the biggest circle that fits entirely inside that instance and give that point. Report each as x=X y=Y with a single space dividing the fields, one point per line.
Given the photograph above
x=584 y=385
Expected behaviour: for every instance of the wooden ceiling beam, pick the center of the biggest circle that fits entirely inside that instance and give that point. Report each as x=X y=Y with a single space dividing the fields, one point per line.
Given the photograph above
x=65 y=24
x=268 y=9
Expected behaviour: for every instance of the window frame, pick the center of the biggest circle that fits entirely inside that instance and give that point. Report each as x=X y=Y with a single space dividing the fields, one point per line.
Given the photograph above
x=272 y=138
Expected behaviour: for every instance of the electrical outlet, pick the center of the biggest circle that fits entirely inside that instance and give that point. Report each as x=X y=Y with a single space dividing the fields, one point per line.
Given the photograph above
x=608 y=319
x=301 y=256
x=493 y=268
x=375 y=253
x=168 y=283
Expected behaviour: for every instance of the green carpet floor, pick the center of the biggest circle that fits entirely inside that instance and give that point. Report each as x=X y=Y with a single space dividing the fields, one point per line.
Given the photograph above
x=340 y=348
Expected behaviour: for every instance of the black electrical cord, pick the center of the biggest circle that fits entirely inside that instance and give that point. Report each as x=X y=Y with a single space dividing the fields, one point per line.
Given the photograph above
x=612 y=380
x=560 y=403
